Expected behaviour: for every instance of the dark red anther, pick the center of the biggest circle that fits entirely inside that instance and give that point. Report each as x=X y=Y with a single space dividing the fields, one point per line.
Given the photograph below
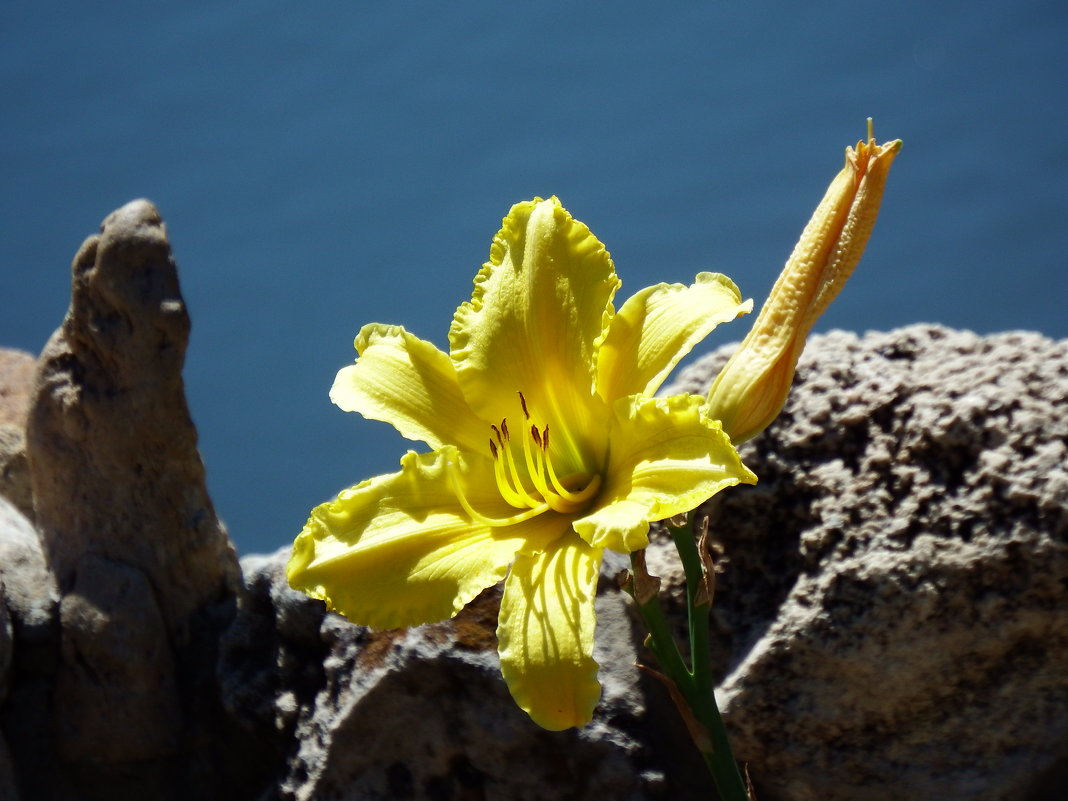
x=536 y=434
x=493 y=449
x=504 y=428
x=523 y=401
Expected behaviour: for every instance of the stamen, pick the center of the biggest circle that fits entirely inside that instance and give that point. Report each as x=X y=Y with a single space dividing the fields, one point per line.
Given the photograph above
x=536 y=463
x=559 y=497
x=563 y=491
x=574 y=500
x=547 y=492
x=494 y=522
x=517 y=481
x=508 y=492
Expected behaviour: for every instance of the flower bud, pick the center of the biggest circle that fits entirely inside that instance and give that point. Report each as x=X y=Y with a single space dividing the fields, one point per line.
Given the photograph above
x=750 y=390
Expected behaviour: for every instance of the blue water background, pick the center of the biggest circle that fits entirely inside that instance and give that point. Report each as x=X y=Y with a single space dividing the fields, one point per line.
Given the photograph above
x=326 y=164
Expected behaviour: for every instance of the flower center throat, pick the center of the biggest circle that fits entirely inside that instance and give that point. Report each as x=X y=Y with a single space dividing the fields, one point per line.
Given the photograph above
x=532 y=484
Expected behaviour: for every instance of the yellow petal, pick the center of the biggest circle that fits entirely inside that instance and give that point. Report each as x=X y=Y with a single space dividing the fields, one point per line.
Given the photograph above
x=752 y=387
x=666 y=458
x=407 y=382
x=539 y=311
x=399 y=549
x=657 y=327
x=545 y=633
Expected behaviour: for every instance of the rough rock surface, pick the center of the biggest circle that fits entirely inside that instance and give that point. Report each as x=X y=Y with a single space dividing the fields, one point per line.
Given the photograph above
x=146 y=576
x=893 y=612
x=423 y=714
x=27 y=588
x=28 y=594
x=16 y=384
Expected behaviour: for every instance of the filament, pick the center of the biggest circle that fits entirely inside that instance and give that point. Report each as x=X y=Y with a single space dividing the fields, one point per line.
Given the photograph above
x=494 y=522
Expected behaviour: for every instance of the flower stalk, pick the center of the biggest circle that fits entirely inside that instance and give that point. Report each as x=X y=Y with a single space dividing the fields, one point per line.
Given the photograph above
x=691 y=686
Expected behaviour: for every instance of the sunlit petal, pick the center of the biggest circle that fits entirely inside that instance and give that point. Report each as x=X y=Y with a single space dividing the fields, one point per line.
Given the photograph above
x=546 y=633
x=656 y=327
x=407 y=382
x=666 y=458
x=540 y=308
x=399 y=549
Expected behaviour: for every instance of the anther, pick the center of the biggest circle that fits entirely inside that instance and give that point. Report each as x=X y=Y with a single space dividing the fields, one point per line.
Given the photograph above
x=504 y=428
x=493 y=448
x=523 y=401
x=537 y=436
x=497 y=431
x=545 y=439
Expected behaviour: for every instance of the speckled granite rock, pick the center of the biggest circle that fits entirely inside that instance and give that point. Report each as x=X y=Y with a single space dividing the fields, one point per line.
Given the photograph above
x=892 y=619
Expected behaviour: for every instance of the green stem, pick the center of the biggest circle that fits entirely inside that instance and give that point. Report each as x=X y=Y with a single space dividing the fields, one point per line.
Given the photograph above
x=661 y=641
x=692 y=688
x=699 y=689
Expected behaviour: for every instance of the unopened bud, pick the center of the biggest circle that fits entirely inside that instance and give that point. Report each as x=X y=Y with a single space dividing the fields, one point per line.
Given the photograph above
x=750 y=390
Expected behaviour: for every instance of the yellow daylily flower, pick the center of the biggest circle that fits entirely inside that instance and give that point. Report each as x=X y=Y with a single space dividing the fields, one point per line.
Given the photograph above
x=547 y=446
x=751 y=389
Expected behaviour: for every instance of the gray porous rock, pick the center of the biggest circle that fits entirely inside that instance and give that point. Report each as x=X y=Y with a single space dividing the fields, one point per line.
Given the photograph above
x=145 y=573
x=28 y=597
x=893 y=616
x=8 y=789
x=6 y=640
x=423 y=713
x=14 y=469
x=16 y=383
x=17 y=368
x=27 y=591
